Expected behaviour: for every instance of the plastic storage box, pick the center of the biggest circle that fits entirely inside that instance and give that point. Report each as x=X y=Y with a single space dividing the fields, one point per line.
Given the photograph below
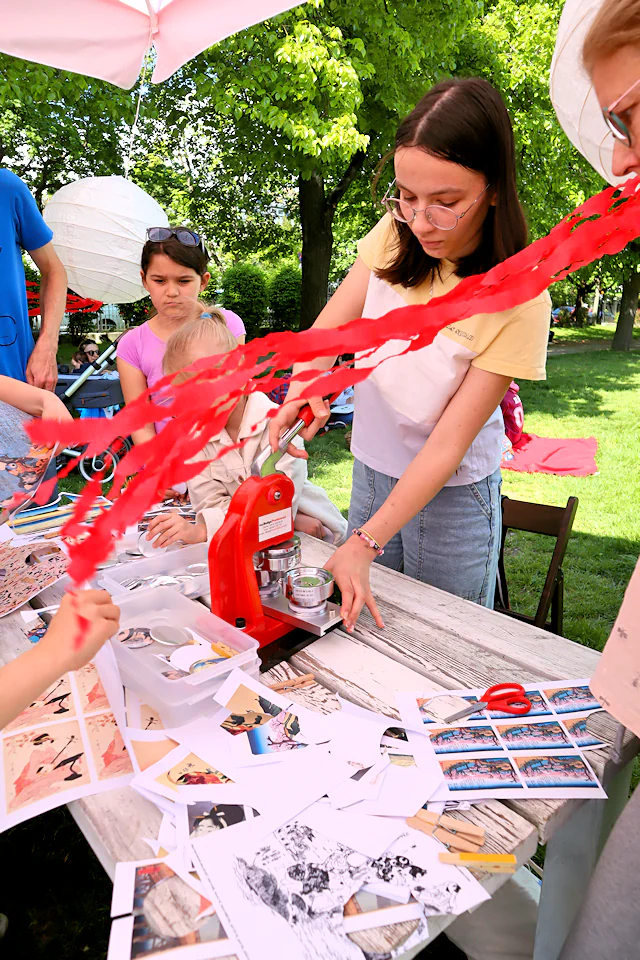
x=184 y=699
x=172 y=563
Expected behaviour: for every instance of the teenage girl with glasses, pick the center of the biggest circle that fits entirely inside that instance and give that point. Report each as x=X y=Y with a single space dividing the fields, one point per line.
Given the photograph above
x=174 y=272
x=427 y=430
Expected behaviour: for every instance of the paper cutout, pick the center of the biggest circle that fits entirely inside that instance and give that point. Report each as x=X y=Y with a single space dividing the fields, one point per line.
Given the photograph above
x=22 y=580
x=22 y=462
x=62 y=747
x=605 y=224
x=169 y=913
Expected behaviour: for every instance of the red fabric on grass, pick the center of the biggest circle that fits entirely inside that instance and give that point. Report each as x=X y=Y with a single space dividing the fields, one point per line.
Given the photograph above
x=563 y=456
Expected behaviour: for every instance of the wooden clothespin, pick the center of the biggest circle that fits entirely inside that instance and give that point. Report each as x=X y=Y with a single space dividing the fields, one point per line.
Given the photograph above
x=453 y=833
x=294 y=683
x=488 y=862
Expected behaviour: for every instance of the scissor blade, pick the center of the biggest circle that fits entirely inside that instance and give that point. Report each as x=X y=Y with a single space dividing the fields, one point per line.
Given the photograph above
x=467 y=712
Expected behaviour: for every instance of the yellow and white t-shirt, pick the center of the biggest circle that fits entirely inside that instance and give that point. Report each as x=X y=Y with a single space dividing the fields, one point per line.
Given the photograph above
x=399 y=404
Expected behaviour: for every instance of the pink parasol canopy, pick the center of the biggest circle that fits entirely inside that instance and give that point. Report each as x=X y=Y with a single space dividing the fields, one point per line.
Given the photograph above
x=108 y=39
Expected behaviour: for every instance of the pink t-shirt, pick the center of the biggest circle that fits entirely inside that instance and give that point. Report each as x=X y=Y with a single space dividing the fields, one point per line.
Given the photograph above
x=145 y=351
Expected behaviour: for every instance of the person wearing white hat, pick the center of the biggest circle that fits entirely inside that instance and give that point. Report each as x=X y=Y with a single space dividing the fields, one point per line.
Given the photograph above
x=608 y=923
x=611 y=54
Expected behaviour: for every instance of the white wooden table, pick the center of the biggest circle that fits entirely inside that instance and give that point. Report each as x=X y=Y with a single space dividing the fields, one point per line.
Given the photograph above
x=432 y=641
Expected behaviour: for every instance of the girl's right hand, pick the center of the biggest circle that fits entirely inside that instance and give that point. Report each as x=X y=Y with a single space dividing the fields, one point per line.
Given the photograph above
x=287 y=415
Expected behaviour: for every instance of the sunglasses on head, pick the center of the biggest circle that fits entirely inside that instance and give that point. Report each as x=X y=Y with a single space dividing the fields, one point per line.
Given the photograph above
x=188 y=238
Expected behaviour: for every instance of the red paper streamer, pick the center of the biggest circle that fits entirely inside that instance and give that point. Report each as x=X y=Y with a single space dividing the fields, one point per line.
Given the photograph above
x=74 y=303
x=605 y=224
x=84 y=625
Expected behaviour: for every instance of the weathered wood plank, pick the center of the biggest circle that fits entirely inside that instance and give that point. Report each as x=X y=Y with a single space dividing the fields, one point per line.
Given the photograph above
x=426 y=628
x=116 y=824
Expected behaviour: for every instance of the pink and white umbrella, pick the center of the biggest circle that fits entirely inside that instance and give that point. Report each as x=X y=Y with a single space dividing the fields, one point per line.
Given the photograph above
x=108 y=39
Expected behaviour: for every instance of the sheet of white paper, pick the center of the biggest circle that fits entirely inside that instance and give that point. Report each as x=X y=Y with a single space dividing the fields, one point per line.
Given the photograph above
x=184 y=776
x=167 y=806
x=121 y=937
x=439 y=887
x=298 y=906
x=237 y=678
x=389 y=891
x=404 y=791
x=368 y=835
x=201 y=818
x=294 y=906
x=382 y=918
x=123 y=895
x=6 y=533
x=563 y=775
x=280 y=791
x=367 y=786
x=558 y=700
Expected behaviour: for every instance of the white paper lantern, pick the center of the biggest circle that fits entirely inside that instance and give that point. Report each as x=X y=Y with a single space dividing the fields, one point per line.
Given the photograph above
x=572 y=93
x=99 y=228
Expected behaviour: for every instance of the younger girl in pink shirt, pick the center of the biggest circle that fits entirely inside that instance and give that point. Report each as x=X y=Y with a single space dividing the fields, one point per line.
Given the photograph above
x=174 y=271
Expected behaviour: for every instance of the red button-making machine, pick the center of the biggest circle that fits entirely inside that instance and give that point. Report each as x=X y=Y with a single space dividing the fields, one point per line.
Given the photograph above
x=255 y=567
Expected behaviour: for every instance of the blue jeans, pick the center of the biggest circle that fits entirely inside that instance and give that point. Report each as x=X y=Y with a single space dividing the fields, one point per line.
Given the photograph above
x=453 y=543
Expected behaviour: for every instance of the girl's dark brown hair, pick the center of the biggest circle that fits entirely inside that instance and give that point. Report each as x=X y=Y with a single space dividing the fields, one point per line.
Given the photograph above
x=192 y=257
x=466 y=122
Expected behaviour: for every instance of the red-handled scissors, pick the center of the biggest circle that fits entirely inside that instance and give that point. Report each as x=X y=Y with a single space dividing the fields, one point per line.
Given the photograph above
x=502 y=697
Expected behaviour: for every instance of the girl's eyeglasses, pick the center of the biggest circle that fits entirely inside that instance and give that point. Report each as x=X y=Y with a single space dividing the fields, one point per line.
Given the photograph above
x=188 y=238
x=617 y=126
x=443 y=218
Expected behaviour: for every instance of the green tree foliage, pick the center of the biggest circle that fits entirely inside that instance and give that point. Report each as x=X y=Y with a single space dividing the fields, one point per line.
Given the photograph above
x=267 y=142
x=244 y=290
x=57 y=126
x=285 y=289
x=297 y=109
x=512 y=46
x=81 y=324
x=136 y=313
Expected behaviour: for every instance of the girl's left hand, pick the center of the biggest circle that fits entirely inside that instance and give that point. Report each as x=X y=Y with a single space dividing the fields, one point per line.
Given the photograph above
x=350 y=566
x=168 y=528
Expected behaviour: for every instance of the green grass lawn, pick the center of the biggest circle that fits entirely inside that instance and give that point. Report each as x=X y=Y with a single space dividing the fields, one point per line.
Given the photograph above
x=595 y=331
x=589 y=394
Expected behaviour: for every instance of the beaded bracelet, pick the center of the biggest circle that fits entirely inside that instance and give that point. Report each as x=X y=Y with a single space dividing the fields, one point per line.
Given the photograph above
x=369 y=540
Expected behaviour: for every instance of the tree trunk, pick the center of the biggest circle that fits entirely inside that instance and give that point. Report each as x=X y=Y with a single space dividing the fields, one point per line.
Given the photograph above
x=622 y=338
x=316 y=219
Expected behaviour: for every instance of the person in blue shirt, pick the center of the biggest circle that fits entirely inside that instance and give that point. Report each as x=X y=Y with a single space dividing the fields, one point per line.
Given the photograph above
x=22 y=228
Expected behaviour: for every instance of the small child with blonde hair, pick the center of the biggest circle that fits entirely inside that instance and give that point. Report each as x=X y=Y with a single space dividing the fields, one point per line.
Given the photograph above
x=208 y=336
